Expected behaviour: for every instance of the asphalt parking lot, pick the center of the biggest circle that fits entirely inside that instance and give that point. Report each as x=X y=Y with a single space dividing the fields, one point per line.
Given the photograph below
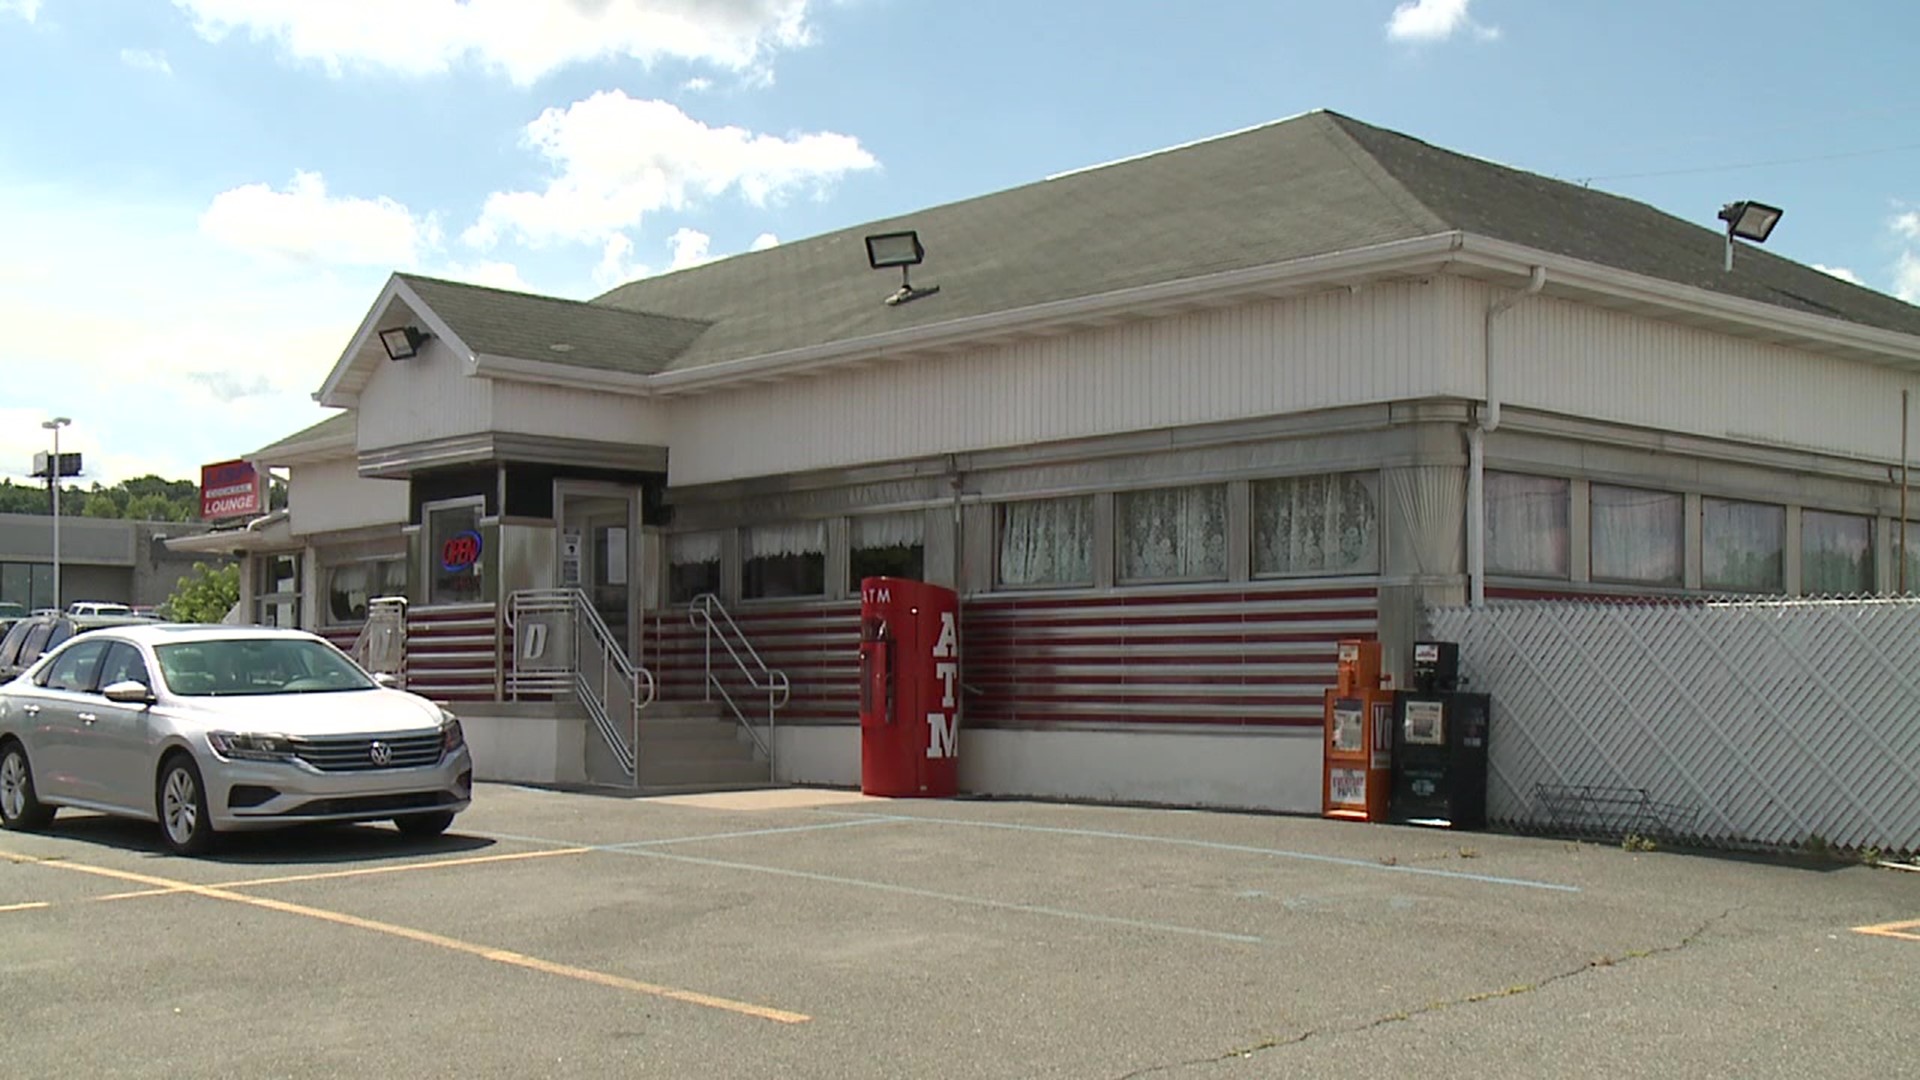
x=810 y=933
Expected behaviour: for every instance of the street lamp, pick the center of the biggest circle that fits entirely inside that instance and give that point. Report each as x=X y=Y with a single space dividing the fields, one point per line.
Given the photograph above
x=53 y=481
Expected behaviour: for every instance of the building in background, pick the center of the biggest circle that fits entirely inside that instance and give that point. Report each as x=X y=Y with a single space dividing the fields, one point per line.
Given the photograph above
x=124 y=562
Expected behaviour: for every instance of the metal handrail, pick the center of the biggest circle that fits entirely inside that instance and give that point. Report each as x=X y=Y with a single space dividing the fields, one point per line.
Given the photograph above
x=641 y=686
x=771 y=681
x=386 y=622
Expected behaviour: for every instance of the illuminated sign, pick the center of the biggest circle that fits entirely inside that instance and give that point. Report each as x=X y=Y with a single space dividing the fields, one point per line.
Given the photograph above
x=231 y=489
x=460 y=552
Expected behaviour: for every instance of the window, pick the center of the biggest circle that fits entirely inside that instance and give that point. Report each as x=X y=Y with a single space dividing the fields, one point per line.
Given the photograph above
x=351 y=585
x=456 y=554
x=693 y=565
x=123 y=664
x=1743 y=546
x=887 y=545
x=1172 y=534
x=1047 y=542
x=1836 y=554
x=1912 y=565
x=784 y=560
x=1527 y=526
x=276 y=590
x=1316 y=525
x=75 y=669
x=1638 y=535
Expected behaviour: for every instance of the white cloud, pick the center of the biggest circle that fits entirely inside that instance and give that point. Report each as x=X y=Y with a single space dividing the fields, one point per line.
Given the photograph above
x=26 y=9
x=691 y=247
x=146 y=60
x=616 y=263
x=1907 y=225
x=1906 y=277
x=697 y=85
x=493 y=274
x=764 y=241
x=1840 y=272
x=524 y=39
x=303 y=224
x=619 y=159
x=1435 y=20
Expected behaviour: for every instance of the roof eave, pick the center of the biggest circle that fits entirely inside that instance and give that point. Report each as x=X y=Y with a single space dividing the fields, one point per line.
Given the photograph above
x=333 y=392
x=548 y=373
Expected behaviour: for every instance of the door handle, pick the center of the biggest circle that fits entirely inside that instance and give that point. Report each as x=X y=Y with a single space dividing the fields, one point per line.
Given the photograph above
x=88 y=718
x=30 y=710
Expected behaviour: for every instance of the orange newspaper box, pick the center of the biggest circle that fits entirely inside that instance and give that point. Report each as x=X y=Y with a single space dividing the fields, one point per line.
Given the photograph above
x=909 y=688
x=1358 y=755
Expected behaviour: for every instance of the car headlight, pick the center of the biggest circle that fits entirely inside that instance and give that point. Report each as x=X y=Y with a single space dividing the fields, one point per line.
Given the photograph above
x=452 y=737
x=244 y=747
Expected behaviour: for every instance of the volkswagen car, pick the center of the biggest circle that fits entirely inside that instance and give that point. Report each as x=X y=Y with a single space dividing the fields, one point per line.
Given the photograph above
x=213 y=729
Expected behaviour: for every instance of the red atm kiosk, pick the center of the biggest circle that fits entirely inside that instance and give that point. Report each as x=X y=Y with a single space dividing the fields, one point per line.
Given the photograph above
x=909 y=688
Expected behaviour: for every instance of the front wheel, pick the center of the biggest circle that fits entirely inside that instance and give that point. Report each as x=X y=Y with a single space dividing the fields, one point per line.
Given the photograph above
x=181 y=800
x=424 y=825
x=20 y=809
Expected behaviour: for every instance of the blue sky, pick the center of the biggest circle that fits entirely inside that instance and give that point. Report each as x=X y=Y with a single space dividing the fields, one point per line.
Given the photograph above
x=199 y=199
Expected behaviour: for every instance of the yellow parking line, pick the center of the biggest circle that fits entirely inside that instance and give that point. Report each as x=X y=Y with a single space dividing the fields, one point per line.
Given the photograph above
x=1905 y=931
x=500 y=956
x=31 y=906
x=359 y=872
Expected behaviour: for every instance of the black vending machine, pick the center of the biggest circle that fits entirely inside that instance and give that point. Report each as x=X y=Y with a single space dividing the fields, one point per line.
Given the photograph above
x=1439 y=745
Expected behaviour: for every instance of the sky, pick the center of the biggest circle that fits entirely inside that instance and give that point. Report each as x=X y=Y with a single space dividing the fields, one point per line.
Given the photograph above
x=200 y=200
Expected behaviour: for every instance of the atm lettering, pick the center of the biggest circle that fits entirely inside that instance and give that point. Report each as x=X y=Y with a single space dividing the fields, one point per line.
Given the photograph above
x=949 y=642
x=942 y=736
x=948 y=673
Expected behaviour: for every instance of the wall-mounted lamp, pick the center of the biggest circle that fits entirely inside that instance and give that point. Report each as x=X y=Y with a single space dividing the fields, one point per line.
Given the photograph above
x=403 y=342
x=1748 y=221
x=901 y=249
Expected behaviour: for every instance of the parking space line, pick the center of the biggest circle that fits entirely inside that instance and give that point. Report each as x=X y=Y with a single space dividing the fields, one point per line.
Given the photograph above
x=908 y=890
x=739 y=835
x=1212 y=845
x=485 y=952
x=363 y=871
x=1908 y=930
x=32 y=905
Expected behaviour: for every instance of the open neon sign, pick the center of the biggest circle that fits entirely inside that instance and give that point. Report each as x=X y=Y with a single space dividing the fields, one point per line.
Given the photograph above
x=460 y=552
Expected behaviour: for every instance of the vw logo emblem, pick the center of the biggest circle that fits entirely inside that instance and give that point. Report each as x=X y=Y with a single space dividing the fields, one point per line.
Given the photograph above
x=381 y=753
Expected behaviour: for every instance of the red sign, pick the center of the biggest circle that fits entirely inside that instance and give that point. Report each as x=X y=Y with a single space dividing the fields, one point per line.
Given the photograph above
x=231 y=489
x=460 y=551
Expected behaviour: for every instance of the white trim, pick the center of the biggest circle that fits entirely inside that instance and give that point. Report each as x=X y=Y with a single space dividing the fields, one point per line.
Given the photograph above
x=548 y=373
x=396 y=289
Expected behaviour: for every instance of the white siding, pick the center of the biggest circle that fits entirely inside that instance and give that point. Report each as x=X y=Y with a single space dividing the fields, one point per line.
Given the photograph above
x=532 y=409
x=330 y=496
x=427 y=397
x=1584 y=361
x=1387 y=342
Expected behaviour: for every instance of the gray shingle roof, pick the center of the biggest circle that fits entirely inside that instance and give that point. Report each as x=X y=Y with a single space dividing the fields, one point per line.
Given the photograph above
x=502 y=323
x=1311 y=185
x=339 y=426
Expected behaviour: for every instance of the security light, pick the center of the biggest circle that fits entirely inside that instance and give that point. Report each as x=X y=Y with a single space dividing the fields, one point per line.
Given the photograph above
x=402 y=342
x=901 y=249
x=1748 y=221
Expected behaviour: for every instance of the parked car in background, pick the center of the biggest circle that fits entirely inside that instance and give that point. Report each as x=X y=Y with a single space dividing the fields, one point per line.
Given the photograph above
x=210 y=729
x=98 y=607
x=32 y=637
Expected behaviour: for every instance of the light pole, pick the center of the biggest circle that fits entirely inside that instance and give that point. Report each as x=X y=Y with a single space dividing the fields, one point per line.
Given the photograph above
x=53 y=481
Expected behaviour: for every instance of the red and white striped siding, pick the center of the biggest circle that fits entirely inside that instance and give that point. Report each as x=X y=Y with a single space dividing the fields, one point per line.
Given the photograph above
x=451 y=654
x=1246 y=656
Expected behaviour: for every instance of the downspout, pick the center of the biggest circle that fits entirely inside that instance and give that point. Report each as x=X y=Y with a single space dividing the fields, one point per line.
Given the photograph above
x=1488 y=418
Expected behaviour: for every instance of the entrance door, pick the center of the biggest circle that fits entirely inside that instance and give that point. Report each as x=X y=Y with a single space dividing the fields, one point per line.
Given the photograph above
x=598 y=549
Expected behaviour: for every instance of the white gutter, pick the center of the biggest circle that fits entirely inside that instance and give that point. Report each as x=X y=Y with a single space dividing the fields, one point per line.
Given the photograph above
x=1488 y=419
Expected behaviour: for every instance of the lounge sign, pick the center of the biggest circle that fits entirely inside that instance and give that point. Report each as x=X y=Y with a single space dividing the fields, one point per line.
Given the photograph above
x=231 y=489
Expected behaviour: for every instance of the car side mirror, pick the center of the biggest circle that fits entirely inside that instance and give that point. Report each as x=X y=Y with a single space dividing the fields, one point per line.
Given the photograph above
x=129 y=692
x=386 y=680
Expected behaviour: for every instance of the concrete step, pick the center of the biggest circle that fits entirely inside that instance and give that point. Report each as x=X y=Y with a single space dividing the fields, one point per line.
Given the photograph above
x=688 y=774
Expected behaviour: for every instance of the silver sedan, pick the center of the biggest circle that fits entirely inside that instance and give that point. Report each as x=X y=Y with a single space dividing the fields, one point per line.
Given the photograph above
x=211 y=729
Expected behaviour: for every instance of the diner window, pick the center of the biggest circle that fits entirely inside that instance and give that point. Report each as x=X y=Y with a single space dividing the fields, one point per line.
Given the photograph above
x=1836 y=554
x=1316 y=525
x=886 y=545
x=784 y=560
x=1742 y=546
x=1528 y=525
x=693 y=565
x=456 y=555
x=1172 y=534
x=1638 y=535
x=1911 y=564
x=276 y=590
x=1047 y=542
x=351 y=585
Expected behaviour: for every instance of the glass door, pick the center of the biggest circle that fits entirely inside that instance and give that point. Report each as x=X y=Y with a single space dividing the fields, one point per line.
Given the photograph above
x=598 y=552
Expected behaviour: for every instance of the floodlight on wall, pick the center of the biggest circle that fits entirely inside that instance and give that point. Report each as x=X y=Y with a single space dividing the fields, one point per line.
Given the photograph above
x=402 y=342
x=901 y=249
x=1749 y=221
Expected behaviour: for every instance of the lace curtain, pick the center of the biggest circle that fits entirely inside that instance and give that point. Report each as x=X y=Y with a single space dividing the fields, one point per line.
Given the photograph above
x=684 y=549
x=1527 y=525
x=1836 y=554
x=1743 y=546
x=1174 y=533
x=799 y=538
x=1047 y=542
x=1638 y=535
x=888 y=530
x=1316 y=525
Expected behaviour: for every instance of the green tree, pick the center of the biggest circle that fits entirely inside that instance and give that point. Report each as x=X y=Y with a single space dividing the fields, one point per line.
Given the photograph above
x=205 y=595
x=154 y=507
x=102 y=504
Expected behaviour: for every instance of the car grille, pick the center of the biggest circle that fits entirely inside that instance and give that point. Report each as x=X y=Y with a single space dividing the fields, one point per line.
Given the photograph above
x=373 y=805
x=355 y=753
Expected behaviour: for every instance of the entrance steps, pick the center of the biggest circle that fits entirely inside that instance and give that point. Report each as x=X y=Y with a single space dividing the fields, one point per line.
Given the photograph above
x=685 y=746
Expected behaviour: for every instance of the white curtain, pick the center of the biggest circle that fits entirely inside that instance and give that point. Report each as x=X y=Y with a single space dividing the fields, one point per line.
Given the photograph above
x=1173 y=533
x=888 y=530
x=1912 y=561
x=1836 y=554
x=1047 y=542
x=1527 y=525
x=798 y=538
x=1743 y=546
x=1316 y=525
x=1638 y=535
x=696 y=547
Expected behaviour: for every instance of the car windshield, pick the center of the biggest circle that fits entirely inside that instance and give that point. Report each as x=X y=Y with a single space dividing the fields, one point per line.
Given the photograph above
x=240 y=666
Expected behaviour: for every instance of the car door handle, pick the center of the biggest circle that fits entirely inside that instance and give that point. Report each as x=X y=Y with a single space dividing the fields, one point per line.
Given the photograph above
x=88 y=718
x=30 y=710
